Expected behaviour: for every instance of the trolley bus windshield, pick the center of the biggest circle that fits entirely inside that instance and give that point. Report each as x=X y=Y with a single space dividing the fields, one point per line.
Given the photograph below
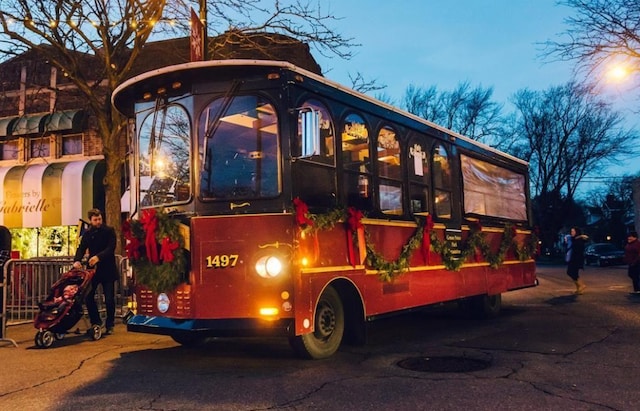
x=240 y=157
x=164 y=156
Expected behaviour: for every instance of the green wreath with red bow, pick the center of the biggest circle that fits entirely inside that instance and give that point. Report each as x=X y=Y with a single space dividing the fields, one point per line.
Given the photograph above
x=155 y=249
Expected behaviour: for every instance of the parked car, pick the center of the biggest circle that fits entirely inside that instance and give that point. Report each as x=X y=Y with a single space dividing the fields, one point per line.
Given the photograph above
x=603 y=254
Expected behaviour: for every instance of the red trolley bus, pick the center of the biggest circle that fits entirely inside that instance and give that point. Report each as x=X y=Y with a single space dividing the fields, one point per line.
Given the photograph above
x=269 y=200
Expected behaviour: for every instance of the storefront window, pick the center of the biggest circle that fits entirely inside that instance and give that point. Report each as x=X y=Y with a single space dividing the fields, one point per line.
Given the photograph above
x=10 y=150
x=39 y=147
x=71 y=144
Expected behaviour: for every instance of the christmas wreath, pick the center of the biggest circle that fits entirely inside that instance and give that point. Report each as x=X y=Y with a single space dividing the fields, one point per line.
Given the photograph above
x=155 y=249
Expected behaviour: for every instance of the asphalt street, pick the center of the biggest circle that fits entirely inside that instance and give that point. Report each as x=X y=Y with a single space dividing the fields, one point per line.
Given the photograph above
x=549 y=350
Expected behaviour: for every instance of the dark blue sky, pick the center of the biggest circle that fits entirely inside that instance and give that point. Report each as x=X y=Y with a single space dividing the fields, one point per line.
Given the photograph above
x=492 y=43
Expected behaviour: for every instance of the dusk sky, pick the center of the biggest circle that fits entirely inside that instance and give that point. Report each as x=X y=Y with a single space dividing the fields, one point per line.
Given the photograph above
x=489 y=43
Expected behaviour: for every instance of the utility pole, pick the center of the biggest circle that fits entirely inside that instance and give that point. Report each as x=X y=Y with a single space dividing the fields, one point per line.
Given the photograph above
x=203 y=19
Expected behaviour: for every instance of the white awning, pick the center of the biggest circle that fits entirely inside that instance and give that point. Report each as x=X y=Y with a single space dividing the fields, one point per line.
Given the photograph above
x=77 y=202
x=45 y=195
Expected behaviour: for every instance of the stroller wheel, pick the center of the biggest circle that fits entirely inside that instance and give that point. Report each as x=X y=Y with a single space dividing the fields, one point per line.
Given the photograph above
x=38 y=339
x=96 y=332
x=59 y=336
x=47 y=339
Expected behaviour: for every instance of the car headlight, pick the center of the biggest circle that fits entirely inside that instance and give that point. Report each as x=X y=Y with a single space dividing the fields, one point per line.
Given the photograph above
x=269 y=266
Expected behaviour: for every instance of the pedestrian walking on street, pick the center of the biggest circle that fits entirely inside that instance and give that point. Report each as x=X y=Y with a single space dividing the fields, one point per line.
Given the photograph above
x=100 y=240
x=632 y=257
x=575 y=258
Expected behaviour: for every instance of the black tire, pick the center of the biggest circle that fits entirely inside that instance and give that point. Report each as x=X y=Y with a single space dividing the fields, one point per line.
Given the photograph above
x=601 y=262
x=329 y=323
x=188 y=339
x=59 y=336
x=483 y=306
x=47 y=339
x=38 y=339
x=96 y=332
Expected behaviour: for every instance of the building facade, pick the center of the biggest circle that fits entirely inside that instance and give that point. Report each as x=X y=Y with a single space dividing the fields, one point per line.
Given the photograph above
x=51 y=161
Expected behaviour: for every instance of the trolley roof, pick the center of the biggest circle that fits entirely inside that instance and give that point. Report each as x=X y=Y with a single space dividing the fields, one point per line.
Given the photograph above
x=120 y=92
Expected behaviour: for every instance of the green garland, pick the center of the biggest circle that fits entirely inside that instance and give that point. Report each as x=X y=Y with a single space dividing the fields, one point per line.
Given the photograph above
x=388 y=270
x=165 y=275
x=477 y=240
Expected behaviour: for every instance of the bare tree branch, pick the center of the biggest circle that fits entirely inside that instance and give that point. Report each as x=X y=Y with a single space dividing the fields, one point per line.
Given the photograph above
x=602 y=32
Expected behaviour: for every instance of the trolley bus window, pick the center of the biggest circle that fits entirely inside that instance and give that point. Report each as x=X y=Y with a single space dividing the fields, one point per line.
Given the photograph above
x=356 y=161
x=165 y=174
x=493 y=191
x=419 y=175
x=314 y=176
x=389 y=171
x=315 y=139
x=242 y=153
x=442 y=181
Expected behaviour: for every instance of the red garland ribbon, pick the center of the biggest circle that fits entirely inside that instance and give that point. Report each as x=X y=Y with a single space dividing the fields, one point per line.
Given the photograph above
x=353 y=225
x=301 y=213
x=149 y=222
x=167 y=248
x=426 y=239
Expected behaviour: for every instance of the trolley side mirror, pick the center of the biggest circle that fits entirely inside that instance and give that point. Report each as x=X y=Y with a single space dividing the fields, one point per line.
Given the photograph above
x=310 y=132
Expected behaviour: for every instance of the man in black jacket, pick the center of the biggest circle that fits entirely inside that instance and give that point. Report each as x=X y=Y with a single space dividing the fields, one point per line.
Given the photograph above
x=100 y=241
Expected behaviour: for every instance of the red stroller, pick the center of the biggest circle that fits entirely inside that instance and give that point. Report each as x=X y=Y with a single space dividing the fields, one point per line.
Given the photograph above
x=63 y=308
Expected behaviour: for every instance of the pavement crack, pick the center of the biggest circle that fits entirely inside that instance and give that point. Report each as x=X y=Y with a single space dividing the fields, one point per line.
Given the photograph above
x=59 y=378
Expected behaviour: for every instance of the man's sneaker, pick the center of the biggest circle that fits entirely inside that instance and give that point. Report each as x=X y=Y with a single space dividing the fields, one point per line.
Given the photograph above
x=109 y=331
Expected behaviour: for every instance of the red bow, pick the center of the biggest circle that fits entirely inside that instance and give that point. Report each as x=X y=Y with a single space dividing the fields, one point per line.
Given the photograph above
x=354 y=225
x=301 y=213
x=167 y=248
x=133 y=244
x=426 y=239
x=149 y=222
x=133 y=248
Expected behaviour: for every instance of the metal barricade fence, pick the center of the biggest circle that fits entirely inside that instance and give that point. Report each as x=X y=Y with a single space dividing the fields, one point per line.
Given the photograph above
x=29 y=282
x=4 y=257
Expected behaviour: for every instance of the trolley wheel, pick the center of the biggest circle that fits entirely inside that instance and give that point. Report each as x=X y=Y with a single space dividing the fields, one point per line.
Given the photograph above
x=38 y=339
x=188 y=340
x=329 y=324
x=59 y=336
x=483 y=306
x=47 y=339
x=96 y=332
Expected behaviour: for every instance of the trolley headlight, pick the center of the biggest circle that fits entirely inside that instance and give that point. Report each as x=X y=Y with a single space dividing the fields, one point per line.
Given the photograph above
x=269 y=266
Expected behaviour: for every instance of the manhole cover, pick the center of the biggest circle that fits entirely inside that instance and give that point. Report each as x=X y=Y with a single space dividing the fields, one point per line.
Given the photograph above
x=444 y=364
